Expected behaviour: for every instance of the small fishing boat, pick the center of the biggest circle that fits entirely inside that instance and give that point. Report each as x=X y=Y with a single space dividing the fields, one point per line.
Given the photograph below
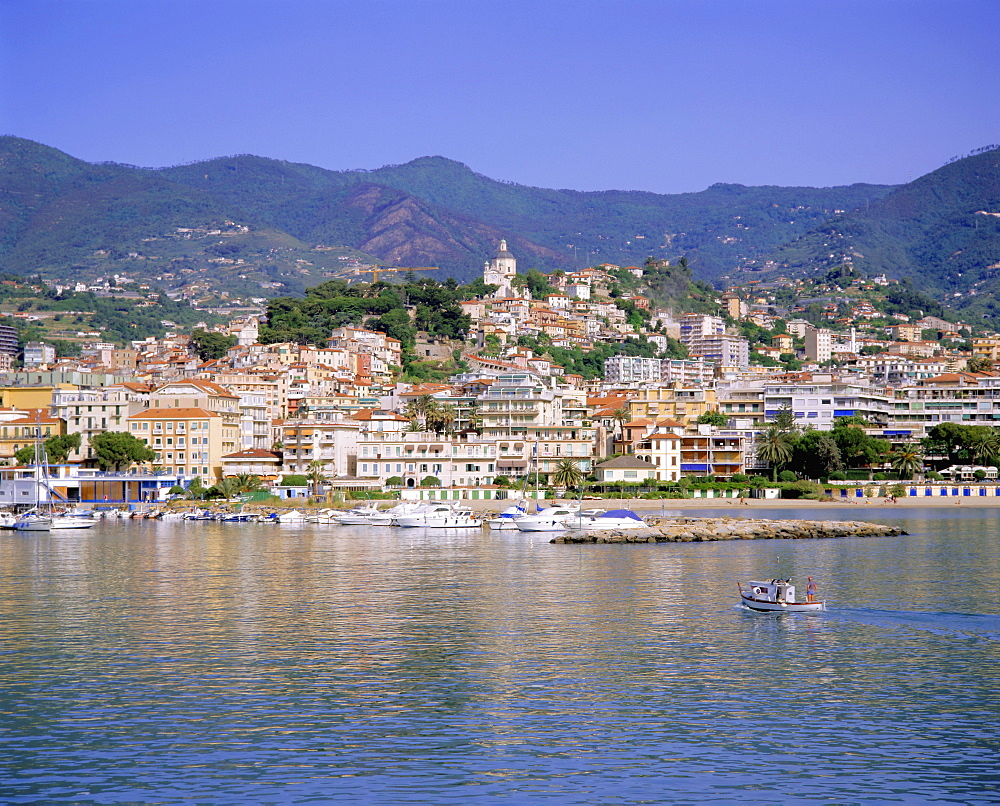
x=775 y=596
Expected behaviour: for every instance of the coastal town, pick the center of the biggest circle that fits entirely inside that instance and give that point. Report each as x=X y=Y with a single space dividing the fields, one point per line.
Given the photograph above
x=337 y=418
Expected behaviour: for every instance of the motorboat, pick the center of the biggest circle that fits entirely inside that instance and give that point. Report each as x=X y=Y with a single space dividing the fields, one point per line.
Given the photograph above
x=509 y=517
x=552 y=519
x=32 y=521
x=364 y=516
x=324 y=516
x=775 y=596
x=292 y=516
x=239 y=517
x=7 y=520
x=597 y=520
x=77 y=519
x=442 y=516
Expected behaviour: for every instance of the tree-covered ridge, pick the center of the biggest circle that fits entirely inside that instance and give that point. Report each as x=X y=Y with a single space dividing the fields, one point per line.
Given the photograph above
x=63 y=216
x=942 y=231
x=380 y=306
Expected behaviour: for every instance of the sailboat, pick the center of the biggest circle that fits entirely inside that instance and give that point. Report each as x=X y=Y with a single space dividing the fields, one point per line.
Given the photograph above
x=36 y=519
x=44 y=519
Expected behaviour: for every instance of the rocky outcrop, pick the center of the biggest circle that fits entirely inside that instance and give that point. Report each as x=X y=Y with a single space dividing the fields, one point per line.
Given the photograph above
x=700 y=530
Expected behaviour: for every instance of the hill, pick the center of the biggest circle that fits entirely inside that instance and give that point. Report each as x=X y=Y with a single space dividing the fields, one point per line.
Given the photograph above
x=246 y=225
x=942 y=231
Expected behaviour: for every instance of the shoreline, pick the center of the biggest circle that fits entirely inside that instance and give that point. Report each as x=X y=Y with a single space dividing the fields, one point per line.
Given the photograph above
x=735 y=505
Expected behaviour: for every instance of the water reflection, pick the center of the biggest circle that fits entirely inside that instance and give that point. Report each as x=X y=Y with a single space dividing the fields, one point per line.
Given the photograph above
x=165 y=661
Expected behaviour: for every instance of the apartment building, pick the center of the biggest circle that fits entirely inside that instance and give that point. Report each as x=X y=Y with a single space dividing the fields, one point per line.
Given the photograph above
x=187 y=441
x=89 y=412
x=819 y=344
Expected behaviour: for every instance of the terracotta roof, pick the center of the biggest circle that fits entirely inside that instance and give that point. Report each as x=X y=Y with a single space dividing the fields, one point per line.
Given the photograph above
x=253 y=453
x=173 y=414
x=375 y=414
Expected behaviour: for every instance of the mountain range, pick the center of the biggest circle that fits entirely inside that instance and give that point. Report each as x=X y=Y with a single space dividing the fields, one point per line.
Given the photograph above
x=247 y=225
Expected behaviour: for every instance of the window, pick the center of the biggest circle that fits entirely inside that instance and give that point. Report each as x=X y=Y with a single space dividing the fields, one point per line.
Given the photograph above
x=629 y=474
x=364 y=467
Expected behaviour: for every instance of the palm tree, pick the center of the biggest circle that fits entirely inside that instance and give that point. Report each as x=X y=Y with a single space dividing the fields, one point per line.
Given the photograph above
x=421 y=407
x=907 y=461
x=979 y=363
x=248 y=482
x=227 y=488
x=567 y=474
x=446 y=415
x=620 y=416
x=984 y=445
x=774 y=447
x=316 y=475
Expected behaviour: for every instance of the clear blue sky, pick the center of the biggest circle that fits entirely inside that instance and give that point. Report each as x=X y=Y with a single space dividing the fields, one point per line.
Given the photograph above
x=667 y=96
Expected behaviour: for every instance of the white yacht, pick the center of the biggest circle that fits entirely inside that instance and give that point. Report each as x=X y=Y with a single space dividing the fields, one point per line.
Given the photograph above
x=509 y=517
x=595 y=520
x=32 y=521
x=552 y=519
x=440 y=516
x=367 y=515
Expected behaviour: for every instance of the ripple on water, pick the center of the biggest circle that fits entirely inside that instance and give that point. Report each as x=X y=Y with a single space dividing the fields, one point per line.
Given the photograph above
x=155 y=662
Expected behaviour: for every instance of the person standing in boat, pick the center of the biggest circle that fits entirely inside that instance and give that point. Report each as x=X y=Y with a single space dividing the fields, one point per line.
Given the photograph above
x=811 y=590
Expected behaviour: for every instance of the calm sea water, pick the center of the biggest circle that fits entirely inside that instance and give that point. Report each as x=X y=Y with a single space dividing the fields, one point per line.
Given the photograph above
x=231 y=663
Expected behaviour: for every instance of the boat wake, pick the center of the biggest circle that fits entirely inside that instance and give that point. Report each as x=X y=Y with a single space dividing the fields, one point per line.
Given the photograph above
x=954 y=625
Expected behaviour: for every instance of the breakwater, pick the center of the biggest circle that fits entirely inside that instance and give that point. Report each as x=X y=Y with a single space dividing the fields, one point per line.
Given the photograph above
x=698 y=530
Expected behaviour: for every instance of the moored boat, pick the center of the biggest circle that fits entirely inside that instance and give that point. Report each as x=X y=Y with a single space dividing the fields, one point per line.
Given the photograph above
x=442 y=516
x=509 y=517
x=32 y=522
x=775 y=596
x=596 y=520
x=552 y=519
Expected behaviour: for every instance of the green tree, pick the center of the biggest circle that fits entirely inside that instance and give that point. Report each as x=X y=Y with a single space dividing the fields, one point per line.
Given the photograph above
x=117 y=450
x=716 y=418
x=195 y=490
x=316 y=475
x=211 y=345
x=567 y=474
x=815 y=454
x=57 y=449
x=620 y=416
x=979 y=363
x=248 y=483
x=774 y=448
x=857 y=449
x=784 y=419
x=226 y=488
x=983 y=444
x=907 y=461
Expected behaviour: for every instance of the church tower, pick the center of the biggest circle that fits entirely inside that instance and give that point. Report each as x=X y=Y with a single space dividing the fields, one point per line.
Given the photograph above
x=500 y=272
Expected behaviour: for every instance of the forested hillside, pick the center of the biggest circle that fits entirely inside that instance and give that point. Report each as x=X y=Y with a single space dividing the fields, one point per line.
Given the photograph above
x=239 y=225
x=941 y=230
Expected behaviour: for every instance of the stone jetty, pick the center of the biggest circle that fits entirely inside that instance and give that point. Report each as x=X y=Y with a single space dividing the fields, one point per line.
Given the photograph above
x=700 y=530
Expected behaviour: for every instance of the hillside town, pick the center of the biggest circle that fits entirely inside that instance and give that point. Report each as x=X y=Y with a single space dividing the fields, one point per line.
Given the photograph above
x=339 y=414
